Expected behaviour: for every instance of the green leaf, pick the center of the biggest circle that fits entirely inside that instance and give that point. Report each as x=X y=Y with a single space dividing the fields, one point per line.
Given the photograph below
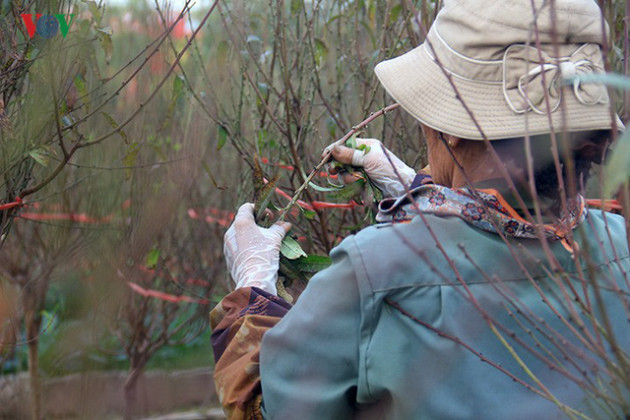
x=324 y=189
x=617 y=170
x=331 y=127
x=291 y=249
x=338 y=166
x=105 y=38
x=223 y=136
x=82 y=90
x=321 y=51
x=264 y=140
x=223 y=52
x=352 y=141
x=371 y=11
x=296 y=6
x=312 y=263
x=349 y=191
x=39 y=156
x=152 y=258
x=130 y=159
x=115 y=125
x=334 y=18
x=262 y=190
x=49 y=316
x=289 y=271
x=377 y=194
x=302 y=268
x=178 y=90
x=178 y=87
x=394 y=13
x=309 y=214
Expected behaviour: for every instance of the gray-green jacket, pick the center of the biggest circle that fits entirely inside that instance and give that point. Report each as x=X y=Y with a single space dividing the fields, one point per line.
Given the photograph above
x=389 y=331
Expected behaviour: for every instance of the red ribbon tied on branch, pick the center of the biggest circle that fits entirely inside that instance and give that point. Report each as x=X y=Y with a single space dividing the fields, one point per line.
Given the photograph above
x=16 y=203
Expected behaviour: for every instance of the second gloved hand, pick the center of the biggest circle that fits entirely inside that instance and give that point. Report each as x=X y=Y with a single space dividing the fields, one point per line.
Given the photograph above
x=252 y=253
x=377 y=166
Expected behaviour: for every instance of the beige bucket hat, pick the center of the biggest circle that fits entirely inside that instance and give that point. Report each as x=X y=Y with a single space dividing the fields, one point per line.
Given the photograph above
x=511 y=87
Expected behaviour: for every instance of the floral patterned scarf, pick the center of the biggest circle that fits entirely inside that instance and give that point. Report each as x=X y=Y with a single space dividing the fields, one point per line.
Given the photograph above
x=488 y=211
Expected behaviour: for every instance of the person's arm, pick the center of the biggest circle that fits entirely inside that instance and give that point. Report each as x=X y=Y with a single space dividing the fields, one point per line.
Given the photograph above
x=239 y=321
x=238 y=324
x=309 y=362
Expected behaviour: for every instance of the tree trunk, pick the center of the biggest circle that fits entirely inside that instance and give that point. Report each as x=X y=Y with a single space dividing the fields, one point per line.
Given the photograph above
x=33 y=324
x=131 y=391
x=130 y=400
x=36 y=411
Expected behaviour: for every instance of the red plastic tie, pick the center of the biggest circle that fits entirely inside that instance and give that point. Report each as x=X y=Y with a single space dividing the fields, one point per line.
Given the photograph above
x=607 y=205
x=164 y=296
x=16 y=203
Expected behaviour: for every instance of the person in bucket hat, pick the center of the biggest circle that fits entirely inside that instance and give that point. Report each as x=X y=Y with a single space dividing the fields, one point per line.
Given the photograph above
x=509 y=77
x=488 y=290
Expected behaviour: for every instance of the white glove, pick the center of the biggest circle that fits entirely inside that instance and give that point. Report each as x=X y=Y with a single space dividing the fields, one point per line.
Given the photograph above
x=376 y=165
x=252 y=252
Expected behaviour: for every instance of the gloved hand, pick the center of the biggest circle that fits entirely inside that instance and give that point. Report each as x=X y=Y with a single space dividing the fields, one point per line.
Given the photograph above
x=252 y=252
x=376 y=165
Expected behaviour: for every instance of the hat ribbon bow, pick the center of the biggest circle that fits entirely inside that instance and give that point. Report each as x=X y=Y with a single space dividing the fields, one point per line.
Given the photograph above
x=523 y=72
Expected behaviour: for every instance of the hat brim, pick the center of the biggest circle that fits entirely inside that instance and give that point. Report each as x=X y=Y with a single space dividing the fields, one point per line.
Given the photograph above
x=420 y=86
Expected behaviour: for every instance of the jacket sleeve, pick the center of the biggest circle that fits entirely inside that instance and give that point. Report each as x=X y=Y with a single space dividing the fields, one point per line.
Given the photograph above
x=309 y=362
x=238 y=324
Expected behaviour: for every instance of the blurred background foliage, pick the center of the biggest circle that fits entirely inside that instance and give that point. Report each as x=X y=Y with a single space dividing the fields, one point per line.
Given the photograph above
x=131 y=163
x=277 y=80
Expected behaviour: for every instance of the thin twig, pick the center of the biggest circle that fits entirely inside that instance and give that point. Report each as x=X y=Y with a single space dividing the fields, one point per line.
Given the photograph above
x=328 y=154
